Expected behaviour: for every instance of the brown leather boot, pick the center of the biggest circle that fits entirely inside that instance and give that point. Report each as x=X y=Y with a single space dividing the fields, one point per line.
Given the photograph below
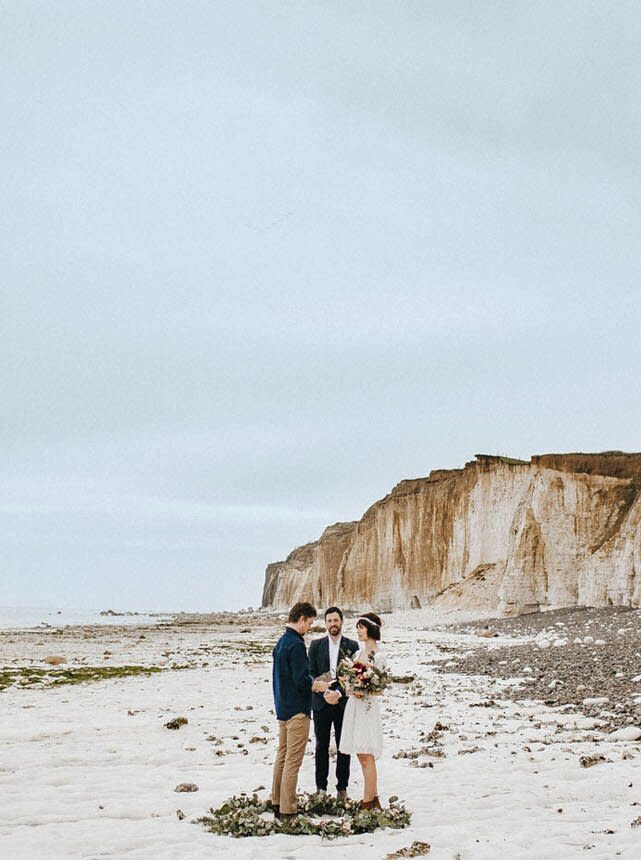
x=374 y=803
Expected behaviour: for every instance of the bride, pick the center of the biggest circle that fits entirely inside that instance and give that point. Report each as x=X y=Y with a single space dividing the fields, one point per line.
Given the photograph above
x=362 y=732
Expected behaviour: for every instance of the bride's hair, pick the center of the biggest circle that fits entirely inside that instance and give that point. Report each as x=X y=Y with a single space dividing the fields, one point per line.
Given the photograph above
x=372 y=623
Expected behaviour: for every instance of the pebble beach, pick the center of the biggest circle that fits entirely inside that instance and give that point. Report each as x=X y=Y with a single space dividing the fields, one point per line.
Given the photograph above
x=518 y=737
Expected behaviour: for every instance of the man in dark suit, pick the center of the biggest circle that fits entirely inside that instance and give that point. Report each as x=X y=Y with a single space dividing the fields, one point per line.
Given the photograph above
x=328 y=709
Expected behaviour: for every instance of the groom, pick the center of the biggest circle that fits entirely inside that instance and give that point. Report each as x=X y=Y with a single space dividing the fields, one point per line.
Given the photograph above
x=293 y=685
x=328 y=710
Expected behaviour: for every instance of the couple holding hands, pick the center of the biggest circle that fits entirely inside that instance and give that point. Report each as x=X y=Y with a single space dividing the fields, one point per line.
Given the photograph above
x=339 y=681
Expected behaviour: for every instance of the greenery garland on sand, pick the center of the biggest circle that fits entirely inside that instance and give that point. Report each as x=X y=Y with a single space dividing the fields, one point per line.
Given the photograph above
x=318 y=815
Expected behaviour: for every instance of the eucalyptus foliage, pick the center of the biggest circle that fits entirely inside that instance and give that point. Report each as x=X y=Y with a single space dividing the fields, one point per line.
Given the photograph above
x=318 y=815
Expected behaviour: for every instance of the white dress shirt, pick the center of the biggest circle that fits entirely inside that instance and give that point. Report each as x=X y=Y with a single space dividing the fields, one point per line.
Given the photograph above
x=334 y=648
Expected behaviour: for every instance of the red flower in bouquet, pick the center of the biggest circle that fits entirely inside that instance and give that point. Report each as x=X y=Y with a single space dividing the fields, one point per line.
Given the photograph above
x=364 y=678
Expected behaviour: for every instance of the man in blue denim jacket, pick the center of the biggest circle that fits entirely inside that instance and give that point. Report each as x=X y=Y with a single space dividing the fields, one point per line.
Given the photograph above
x=293 y=685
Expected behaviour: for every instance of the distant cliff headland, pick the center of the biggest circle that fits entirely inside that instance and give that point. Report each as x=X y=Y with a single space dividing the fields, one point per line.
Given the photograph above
x=499 y=534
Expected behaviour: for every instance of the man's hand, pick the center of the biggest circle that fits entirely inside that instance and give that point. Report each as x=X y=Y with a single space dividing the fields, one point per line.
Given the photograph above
x=332 y=697
x=319 y=686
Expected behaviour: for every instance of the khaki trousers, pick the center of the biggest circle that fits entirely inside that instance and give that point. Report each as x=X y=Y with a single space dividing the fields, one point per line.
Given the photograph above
x=292 y=740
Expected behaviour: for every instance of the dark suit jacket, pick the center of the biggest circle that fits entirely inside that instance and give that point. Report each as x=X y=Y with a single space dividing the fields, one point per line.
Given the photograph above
x=319 y=664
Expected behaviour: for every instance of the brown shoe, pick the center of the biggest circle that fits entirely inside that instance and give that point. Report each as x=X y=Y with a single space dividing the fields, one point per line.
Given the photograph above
x=375 y=803
x=288 y=816
x=342 y=794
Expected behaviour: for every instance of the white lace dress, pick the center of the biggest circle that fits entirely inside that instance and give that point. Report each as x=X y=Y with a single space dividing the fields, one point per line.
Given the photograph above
x=362 y=730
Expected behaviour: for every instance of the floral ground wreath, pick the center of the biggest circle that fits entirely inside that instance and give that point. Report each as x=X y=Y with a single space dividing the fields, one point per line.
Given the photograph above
x=318 y=815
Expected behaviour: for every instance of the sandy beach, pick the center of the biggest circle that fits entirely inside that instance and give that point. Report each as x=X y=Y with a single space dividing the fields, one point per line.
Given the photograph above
x=519 y=744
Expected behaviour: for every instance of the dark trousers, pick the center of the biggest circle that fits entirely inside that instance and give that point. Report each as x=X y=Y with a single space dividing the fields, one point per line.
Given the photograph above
x=324 y=719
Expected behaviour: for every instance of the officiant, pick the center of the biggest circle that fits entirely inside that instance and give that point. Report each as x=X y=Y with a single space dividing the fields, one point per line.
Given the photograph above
x=328 y=708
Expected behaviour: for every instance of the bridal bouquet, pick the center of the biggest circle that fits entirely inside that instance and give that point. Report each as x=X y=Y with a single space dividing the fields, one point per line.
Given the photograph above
x=364 y=678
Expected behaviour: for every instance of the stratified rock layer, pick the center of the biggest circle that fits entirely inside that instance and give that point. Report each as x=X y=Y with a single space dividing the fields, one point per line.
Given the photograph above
x=499 y=534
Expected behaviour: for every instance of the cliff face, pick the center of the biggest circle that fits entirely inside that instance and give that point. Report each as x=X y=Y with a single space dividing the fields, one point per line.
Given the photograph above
x=500 y=534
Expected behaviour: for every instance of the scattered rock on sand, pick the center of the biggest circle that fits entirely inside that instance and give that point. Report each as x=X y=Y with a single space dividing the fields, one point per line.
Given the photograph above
x=416 y=849
x=176 y=723
x=186 y=786
x=591 y=760
x=55 y=660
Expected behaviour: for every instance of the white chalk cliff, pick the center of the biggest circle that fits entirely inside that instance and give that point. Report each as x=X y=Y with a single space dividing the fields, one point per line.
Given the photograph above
x=499 y=534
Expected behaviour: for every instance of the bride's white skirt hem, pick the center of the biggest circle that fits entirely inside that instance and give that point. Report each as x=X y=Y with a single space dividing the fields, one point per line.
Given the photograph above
x=362 y=731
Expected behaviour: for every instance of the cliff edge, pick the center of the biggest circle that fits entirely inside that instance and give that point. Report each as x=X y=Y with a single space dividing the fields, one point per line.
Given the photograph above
x=499 y=534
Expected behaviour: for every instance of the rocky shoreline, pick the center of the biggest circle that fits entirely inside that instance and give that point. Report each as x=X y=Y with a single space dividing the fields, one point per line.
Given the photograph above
x=186 y=710
x=586 y=660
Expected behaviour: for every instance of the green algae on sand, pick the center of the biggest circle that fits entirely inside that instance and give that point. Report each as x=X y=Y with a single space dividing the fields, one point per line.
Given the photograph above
x=27 y=676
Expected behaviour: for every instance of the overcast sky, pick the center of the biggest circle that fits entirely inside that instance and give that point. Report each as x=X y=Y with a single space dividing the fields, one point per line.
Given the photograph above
x=262 y=260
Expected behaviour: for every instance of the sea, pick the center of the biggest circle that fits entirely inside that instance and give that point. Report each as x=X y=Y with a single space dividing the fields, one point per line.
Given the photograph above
x=29 y=617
